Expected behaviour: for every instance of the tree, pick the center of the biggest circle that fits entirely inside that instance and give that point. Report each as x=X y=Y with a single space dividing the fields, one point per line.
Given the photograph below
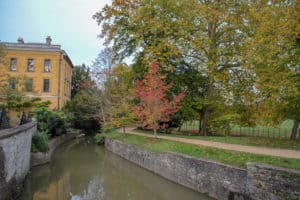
x=233 y=45
x=154 y=106
x=203 y=35
x=15 y=98
x=102 y=72
x=84 y=109
x=274 y=56
x=121 y=85
x=81 y=78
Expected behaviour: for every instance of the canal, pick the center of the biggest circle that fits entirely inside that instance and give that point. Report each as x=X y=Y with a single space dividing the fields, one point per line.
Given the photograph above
x=81 y=170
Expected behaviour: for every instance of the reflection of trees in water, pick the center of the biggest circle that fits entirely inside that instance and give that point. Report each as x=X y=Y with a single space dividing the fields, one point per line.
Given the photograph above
x=94 y=191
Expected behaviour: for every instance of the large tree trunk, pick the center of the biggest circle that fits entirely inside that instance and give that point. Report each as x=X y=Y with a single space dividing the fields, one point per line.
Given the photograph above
x=179 y=127
x=207 y=110
x=201 y=115
x=204 y=128
x=295 y=130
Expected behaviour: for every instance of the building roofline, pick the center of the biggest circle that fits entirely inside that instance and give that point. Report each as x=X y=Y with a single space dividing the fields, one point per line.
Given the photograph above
x=67 y=58
x=42 y=47
x=31 y=46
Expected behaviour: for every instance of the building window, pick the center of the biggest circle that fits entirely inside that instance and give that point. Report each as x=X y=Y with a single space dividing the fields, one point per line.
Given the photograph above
x=12 y=83
x=30 y=65
x=46 y=85
x=13 y=64
x=28 y=85
x=47 y=65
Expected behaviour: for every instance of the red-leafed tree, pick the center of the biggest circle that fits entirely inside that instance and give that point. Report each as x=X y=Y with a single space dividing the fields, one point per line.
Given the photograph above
x=154 y=106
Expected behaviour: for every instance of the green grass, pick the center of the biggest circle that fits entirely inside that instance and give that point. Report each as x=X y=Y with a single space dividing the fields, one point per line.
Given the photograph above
x=234 y=158
x=283 y=130
x=250 y=141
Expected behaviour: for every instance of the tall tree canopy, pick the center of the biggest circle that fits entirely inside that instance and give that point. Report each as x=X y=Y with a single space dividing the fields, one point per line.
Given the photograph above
x=235 y=49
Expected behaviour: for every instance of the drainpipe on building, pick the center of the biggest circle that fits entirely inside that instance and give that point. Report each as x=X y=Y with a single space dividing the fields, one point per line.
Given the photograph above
x=58 y=91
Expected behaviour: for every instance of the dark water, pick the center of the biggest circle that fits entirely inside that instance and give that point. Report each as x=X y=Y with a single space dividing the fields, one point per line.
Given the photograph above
x=82 y=170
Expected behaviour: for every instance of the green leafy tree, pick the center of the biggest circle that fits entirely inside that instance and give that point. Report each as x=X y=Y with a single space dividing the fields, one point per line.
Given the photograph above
x=245 y=51
x=121 y=86
x=84 y=109
x=16 y=99
x=274 y=56
x=204 y=35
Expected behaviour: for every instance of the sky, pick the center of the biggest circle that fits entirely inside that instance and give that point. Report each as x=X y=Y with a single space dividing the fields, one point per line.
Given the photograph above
x=68 y=22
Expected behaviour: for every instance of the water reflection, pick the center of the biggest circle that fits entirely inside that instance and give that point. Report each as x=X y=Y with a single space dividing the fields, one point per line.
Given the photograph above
x=56 y=190
x=85 y=171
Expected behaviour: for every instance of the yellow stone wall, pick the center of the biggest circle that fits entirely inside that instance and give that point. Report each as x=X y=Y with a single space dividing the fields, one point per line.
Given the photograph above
x=59 y=75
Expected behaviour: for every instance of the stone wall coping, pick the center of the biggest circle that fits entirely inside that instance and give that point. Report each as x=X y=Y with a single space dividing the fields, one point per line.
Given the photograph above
x=5 y=133
x=271 y=167
x=205 y=160
x=184 y=156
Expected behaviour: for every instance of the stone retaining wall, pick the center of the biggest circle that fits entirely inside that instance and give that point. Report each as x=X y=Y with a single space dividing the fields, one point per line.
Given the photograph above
x=218 y=180
x=271 y=183
x=40 y=158
x=15 y=146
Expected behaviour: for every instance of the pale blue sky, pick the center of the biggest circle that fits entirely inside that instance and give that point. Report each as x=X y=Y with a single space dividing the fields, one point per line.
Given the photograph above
x=68 y=22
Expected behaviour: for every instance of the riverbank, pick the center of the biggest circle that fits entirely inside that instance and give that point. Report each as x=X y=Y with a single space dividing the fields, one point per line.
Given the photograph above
x=234 y=158
x=41 y=158
x=219 y=180
x=83 y=170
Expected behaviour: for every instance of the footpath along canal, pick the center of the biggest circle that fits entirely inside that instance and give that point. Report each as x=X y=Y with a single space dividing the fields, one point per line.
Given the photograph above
x=83 y=170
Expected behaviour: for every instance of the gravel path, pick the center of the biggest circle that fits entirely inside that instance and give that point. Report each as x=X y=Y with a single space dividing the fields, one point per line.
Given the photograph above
x=286 y=153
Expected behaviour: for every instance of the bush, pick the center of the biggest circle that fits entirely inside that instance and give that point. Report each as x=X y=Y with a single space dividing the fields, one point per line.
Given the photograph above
x=84 y=112
x=52 y=122
x=100 y=138
x=39 y=142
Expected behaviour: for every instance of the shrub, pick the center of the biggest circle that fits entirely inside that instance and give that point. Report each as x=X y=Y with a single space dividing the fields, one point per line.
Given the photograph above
x=100 y=138
x=40 y=142
x=53 y=122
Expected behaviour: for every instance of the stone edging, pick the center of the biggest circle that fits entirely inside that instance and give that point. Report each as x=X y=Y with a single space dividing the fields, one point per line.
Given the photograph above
x=220 y=181
x=41 y=158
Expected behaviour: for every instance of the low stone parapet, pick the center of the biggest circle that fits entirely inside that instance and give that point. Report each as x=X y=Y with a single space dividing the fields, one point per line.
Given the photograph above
x=15 y=146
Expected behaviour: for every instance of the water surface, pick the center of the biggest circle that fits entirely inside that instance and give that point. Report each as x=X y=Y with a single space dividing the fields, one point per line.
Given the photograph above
x=81 y=170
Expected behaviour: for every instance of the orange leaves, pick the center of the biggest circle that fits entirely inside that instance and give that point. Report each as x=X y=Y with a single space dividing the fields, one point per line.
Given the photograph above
x=154 y=106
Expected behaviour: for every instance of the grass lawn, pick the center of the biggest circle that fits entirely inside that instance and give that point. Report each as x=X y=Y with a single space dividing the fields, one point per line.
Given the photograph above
x=250 y=141
x=234 y=158
x=283 y=130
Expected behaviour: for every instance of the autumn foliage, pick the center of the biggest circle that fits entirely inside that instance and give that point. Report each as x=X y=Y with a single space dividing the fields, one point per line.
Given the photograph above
x=154 y=107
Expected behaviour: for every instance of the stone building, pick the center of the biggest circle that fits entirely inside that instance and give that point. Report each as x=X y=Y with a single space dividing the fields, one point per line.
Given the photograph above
x=44 y=68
